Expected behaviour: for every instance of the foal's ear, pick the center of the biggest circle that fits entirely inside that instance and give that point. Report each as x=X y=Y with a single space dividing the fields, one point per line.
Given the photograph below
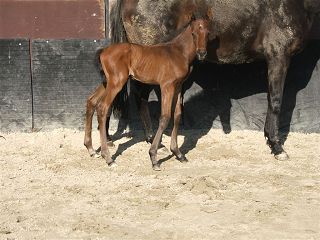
x=210 y=13
x=193 y=18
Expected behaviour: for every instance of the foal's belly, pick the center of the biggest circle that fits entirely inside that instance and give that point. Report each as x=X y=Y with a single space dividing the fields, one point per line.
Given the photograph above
x=155 y=68
x=147 y=79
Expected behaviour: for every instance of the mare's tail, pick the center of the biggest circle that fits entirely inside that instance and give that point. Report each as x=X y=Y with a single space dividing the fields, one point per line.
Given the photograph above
x=118 y=35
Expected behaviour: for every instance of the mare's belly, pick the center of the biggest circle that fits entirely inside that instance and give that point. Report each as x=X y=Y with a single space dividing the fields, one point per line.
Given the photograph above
x=232 y=51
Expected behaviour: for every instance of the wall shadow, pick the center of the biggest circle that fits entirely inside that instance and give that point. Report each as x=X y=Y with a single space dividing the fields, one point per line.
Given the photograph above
x=208 y=103
x=221 y=84
x=301 y=69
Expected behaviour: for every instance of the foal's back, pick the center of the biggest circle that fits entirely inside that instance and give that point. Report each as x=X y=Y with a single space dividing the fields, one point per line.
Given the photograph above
x=147 y=64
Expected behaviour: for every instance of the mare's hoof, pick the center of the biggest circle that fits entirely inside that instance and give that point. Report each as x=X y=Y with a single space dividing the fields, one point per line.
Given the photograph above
x=156 y=167
x=282 y=156
x=182 y=159
x=149 y=139
x=110 y=144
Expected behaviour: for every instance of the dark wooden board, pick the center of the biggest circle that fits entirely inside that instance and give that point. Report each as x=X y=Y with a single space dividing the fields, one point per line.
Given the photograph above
x=64 y=74
x=15 y=86
x=60 y=19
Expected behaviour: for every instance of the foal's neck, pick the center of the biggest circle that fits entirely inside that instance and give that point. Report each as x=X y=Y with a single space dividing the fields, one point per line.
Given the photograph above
x=185 y=41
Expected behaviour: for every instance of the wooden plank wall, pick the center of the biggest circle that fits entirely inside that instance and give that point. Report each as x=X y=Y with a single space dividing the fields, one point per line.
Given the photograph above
x=47 y=19
x=46 y=87
x=35 y=83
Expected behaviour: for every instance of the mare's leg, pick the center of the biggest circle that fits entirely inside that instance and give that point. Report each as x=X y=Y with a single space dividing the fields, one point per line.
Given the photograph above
x=92 y=102
x=113 y=88
x=277 y=71
x=146 y=119
x=174 y=135
x=141 y=96
x=109 y=139
x=167 y=94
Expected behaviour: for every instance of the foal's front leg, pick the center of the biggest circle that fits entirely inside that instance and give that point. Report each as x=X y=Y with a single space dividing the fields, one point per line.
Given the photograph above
x=174 y=135
x=167 y=93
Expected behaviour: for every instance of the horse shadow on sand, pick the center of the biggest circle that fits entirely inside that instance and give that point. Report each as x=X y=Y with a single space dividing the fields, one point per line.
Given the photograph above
x=211 y=90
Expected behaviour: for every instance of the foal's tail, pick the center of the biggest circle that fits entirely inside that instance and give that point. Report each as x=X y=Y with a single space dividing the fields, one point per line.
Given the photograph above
x=118 y=35
x=97 y=62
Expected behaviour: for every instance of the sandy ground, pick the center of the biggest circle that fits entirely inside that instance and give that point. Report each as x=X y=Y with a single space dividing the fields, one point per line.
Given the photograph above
x=232 y=188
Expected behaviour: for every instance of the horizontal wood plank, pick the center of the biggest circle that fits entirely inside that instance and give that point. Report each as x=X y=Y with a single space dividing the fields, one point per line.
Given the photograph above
x=63 y=19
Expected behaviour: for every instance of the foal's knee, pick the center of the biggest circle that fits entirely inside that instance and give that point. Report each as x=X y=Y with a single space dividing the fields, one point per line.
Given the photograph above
x=91 y=103
x=177 y=116
x=164 y=121
x=101 y=109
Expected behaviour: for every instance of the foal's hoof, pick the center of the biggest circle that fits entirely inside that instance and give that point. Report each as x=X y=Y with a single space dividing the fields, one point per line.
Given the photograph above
x=156 y=167
x=95 y=155
x=282 y=156
x=182 y=159
x=110 y=144
x=112 y=164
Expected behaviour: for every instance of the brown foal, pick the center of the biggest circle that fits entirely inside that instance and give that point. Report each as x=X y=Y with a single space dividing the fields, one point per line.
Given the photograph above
x=167 y=65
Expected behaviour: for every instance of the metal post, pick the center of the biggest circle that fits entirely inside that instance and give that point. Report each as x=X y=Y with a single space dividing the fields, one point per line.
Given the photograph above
x=106 y=17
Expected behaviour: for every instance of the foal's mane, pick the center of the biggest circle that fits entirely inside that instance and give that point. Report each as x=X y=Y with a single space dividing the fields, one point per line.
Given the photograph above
x=175 y=34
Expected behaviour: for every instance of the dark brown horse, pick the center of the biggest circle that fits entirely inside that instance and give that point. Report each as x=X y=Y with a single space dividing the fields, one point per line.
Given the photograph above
x=245 y=30
x=167 y=65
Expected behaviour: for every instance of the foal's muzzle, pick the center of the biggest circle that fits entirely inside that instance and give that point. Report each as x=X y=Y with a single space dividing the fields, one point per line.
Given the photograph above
x=201 y=55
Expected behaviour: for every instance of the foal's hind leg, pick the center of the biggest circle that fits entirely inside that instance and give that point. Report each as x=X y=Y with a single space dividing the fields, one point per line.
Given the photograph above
x=174 y=135
x=167 y=94
x=113 y=88
x=92 y=102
